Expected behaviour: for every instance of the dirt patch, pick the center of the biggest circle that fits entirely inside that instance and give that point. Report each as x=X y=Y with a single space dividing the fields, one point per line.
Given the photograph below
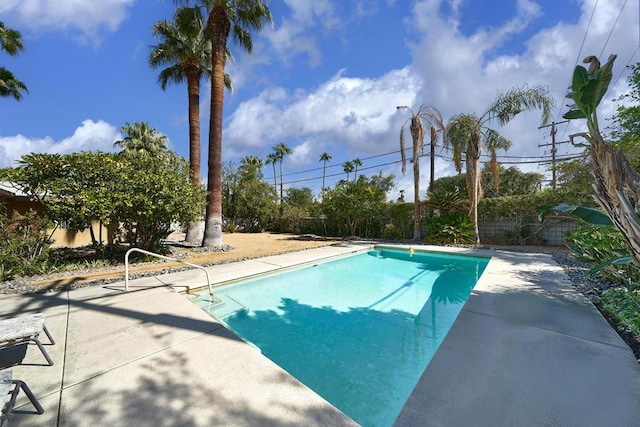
x=243 y=246
x=255 y=245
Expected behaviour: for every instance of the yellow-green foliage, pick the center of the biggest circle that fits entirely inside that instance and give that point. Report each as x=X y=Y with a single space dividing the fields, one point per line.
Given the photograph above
x=624 y=306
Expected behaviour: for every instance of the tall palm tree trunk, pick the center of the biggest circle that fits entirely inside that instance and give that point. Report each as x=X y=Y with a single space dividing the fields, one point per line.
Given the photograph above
x=193 y=87
x=416 y=198
x=324 y=173
x=195 y=232
x=275 y=179
x=219 y=26
x=417 y=135
x=432 y=158
x=473 y=182
x=281 y=185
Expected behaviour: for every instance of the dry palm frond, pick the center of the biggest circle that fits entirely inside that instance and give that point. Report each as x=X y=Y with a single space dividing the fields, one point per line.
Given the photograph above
x=402 y=152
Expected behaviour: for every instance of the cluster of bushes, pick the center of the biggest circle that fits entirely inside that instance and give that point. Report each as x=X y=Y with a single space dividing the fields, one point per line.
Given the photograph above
x=142 y=194
x=24 y=244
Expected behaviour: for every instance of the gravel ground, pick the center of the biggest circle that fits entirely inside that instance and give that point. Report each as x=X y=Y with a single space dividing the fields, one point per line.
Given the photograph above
x=578 y=272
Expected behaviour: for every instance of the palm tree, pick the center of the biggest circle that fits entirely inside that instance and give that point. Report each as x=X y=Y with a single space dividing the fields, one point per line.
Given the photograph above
x=185 y=50
x=250 y=167
x=235 y=18
x=356 y=163
x=416 y=127
x=272 y=159
x=280 y=151
x=324 y=158
x=11 y=43
x=348 y=168
x=10 y=85
x=469 y=134
x=142 y=140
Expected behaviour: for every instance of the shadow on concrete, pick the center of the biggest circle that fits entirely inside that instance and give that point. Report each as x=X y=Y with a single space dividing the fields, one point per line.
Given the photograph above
x=161 y=397
x=43 y=302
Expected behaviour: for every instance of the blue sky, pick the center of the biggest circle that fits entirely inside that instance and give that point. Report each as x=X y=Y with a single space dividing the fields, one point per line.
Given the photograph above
x=326 y=78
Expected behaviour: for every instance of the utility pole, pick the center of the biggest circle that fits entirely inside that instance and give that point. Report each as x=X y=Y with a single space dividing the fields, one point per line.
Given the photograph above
x=553 y=149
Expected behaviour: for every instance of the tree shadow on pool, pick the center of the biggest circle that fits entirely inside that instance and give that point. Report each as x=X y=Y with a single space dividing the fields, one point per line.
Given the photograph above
x=364 y=361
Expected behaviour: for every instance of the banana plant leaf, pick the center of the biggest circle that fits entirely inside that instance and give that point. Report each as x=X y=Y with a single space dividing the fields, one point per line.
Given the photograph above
x=589 y=215
x=613 y=261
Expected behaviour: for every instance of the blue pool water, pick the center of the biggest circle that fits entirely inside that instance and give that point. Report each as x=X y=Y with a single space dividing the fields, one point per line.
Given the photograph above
x=359 y=330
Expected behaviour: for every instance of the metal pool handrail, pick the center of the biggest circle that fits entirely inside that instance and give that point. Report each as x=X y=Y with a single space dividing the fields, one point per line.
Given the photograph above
x=126 y=266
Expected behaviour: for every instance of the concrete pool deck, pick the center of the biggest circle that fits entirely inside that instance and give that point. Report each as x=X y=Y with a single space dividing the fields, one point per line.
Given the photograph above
x=526 y=349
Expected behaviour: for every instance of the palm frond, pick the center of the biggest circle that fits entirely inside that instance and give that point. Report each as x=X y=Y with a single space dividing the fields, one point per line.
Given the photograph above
x=460 y=132
x=183 y=42
x=509 y=104
x=10 y=85
x=494 y=140
x=10 y=40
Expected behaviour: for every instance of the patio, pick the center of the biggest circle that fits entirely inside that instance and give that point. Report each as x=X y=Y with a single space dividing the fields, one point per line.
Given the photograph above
x=527 y=349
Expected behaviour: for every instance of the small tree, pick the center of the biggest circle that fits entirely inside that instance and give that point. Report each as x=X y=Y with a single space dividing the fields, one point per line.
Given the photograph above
x=298 y=203
x=158 y=194
x=254 y=207
x=353 y=202
x=144 y=194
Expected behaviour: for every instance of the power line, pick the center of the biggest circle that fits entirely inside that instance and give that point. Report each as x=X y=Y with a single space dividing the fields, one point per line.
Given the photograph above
x=580 y=51
x=450 y=159
x=612 y=28
x=484 y=157
x=625 y=67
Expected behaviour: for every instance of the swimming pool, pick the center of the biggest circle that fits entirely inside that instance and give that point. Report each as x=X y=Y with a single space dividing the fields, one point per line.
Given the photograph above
x=358 y=330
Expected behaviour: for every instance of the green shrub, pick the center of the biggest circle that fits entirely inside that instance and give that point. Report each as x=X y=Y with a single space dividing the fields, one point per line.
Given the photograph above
x=623 y=305
x=453 y=228
x=399 y=221
x=522 y=207
x=391 y=232
x=595 y=244
x=24 y=244
x=448 y=201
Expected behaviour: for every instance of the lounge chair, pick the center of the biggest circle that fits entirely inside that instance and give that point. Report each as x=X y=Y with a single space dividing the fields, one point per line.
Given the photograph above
x=24 y=329
x=10 y=387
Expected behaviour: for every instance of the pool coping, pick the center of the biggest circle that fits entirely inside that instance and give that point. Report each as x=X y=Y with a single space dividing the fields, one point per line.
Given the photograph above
x=526 y=349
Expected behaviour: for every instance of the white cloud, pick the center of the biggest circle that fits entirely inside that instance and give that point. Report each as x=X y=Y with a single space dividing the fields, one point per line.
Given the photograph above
x=300 y=153
x=299 y=33
x=89 y=17
x=90 y=136
x=454 y=72
x=360 y=112
x=465 y=75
